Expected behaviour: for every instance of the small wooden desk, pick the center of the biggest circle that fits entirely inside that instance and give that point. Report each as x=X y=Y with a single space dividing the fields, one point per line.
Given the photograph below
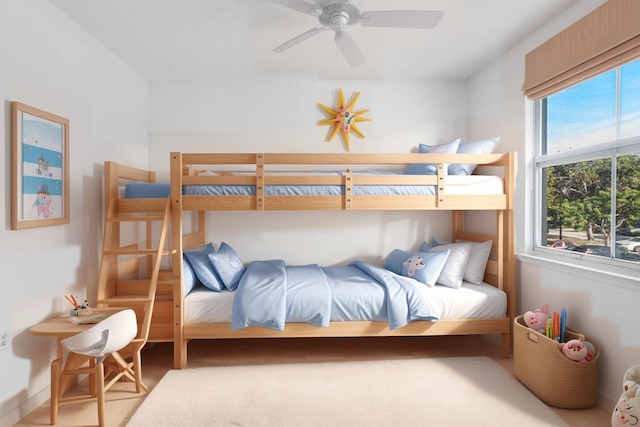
x=61 y=328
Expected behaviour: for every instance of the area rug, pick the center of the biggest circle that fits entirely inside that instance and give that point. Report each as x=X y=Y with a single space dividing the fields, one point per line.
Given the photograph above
x=454 y=391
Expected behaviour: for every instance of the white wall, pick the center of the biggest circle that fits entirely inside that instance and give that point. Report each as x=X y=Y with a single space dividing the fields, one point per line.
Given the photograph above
x=281 y=117
x=47 y=62
x=600 y=305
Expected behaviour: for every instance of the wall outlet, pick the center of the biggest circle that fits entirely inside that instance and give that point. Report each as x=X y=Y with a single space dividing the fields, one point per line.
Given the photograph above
x=4 y=340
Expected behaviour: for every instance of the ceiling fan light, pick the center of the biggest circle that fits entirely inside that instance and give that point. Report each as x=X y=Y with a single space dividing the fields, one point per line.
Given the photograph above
x=339 y=20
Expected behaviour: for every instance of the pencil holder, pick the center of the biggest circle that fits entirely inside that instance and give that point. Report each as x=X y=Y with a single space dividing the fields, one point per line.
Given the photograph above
x=80 y=311
x=539 y=364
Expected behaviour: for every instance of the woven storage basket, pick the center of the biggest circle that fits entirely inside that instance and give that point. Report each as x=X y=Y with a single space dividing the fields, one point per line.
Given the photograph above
x=558 y=381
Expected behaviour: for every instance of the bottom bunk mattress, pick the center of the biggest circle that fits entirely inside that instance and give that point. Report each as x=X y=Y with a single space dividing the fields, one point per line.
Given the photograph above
x=358 y=292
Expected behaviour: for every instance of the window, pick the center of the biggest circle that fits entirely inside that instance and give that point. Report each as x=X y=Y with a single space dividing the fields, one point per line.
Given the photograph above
x=588 y=167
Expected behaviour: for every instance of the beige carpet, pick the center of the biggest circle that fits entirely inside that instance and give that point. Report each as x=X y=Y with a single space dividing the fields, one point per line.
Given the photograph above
x=456 y=391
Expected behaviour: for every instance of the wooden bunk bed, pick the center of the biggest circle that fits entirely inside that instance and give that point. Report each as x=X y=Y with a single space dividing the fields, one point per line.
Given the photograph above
x=261 y=172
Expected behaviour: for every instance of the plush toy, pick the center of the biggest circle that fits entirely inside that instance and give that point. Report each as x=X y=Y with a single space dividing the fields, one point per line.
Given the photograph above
x=577 y=351
x=592 y=350
x=631 y=380
x=627 y=410
x=537 y=320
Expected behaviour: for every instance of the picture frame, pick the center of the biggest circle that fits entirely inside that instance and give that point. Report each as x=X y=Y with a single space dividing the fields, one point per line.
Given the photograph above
x=39 y=168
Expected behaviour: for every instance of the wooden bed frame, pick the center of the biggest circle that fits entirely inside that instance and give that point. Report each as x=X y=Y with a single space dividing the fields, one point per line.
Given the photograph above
x=256 y=170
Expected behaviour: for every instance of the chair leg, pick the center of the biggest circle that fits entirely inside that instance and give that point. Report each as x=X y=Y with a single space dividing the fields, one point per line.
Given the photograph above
x=99 y=370
x=55 y=390
x=137 y=371
x=131 y=371
x=92 y=379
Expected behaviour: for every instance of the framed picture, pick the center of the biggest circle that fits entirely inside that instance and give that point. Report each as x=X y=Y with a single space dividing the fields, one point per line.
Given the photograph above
x=39 y=168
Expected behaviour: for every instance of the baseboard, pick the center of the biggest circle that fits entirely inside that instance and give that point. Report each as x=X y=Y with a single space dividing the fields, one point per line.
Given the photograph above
x=24 y=408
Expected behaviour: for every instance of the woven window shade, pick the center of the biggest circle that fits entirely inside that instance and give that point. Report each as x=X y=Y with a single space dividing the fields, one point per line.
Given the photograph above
x=604 y=39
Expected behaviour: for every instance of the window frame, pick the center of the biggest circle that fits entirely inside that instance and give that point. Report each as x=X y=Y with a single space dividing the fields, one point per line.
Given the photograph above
x=606 y=150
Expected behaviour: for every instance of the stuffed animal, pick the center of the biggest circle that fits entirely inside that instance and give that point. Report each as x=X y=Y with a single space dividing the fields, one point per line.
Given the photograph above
x=592 y=350
x=627 y=410
x=577 y=351
x=537 y=320
x=631 y=380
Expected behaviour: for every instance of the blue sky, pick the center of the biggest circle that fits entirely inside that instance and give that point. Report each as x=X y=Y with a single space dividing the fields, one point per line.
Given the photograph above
x=585 y=114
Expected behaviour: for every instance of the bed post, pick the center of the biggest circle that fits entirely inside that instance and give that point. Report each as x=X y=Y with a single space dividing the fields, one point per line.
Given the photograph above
x=179 y=345
x=503 y=279
x=510 y=286
x=111 y=174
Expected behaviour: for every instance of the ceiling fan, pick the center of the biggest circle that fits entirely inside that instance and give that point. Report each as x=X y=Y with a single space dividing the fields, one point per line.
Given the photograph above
x=336 y=15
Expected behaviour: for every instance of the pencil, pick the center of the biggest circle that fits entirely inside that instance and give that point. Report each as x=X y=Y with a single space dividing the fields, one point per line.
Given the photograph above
x=70 y=302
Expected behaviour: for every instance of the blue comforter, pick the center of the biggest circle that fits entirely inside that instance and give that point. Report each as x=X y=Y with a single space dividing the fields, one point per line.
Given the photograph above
x=271 y=293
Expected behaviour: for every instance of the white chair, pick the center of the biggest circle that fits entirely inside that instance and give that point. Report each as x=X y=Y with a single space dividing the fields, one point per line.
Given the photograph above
x=96 y=344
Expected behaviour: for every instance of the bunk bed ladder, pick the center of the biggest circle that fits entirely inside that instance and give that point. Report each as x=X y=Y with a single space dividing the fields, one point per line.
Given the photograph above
x=123 y=281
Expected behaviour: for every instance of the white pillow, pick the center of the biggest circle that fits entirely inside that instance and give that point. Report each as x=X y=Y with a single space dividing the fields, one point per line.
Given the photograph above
x=484 y=146
x=453 y=271
x=478 y=259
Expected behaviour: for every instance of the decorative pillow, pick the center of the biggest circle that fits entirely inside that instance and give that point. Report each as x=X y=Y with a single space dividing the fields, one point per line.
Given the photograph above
x=450 y=147
x=189 y=279
x=453 y=272
x=478 y=258
x=422 y=266
x=485 y=146
x=395 y=259
x=228 y=265
x=199 y=260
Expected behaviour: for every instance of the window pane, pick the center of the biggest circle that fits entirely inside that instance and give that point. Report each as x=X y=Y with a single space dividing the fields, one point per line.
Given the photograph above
x=628 y=207
x=583 y=115
x=586 y=121
x=630 y=100
x=578 y=207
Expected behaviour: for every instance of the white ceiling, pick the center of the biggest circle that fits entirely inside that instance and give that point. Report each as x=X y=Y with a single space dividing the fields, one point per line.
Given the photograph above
x=194 y=40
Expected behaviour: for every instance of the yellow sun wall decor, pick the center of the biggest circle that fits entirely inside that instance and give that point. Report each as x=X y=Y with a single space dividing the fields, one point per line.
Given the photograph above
x=343 y=119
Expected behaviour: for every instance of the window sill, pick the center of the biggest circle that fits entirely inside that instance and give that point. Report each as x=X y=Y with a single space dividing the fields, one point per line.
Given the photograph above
x=626 y=277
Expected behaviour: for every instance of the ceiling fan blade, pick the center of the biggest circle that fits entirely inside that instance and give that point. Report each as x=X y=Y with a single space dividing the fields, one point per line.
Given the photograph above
x=301 y=6
x=349 y=49
x=297 y=40
x=401 y=18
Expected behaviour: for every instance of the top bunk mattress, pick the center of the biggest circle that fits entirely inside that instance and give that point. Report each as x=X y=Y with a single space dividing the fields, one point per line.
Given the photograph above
x=455 y=185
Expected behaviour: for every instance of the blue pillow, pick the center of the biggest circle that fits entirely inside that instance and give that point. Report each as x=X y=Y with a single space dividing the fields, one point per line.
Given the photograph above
x=189 y=279
x=199 y=260
x=422 y=266
x=450 y=147
x=485 y=146
x=228 y=265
